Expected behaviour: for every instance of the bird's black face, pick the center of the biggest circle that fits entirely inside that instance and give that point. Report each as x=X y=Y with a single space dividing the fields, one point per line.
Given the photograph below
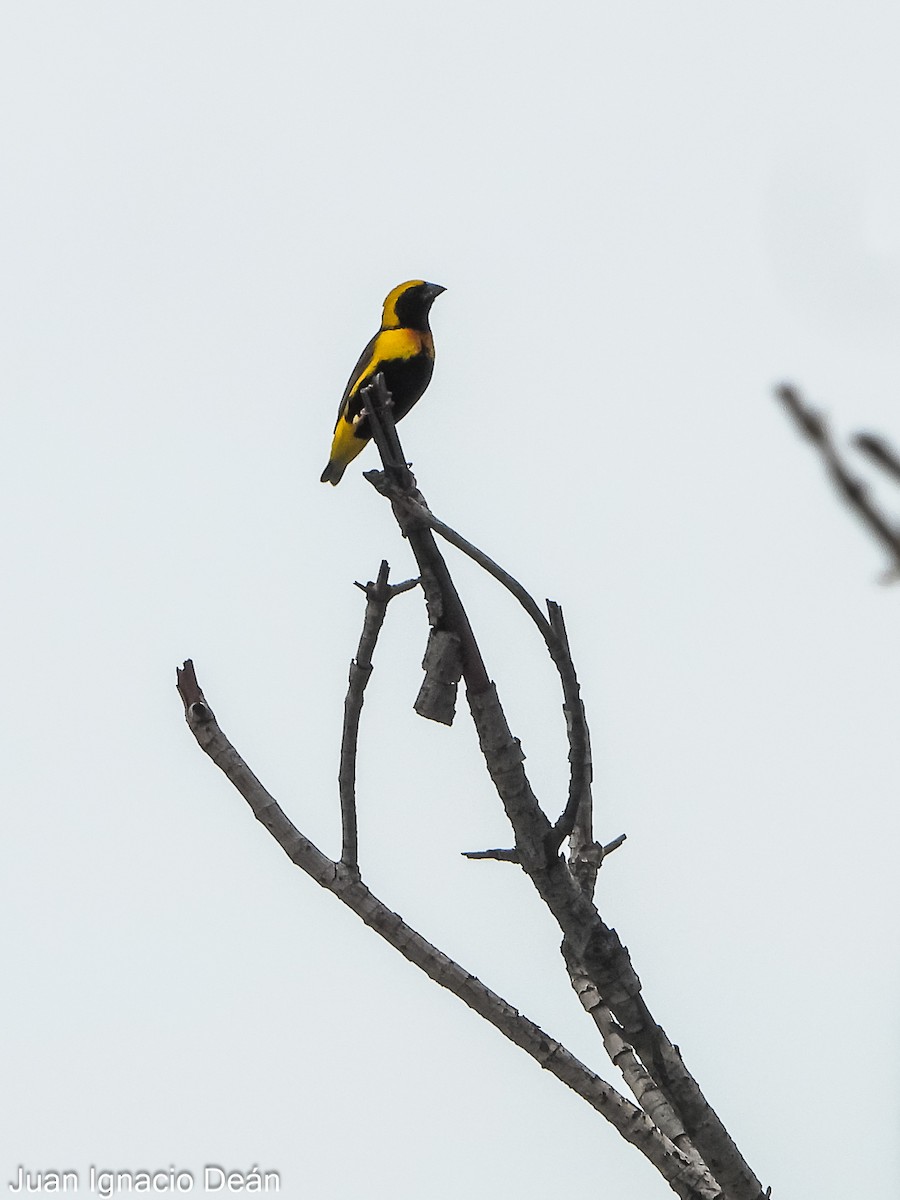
x=413 y=306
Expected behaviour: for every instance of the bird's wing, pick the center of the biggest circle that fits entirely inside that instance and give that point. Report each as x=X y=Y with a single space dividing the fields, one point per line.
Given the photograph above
x=358 y=371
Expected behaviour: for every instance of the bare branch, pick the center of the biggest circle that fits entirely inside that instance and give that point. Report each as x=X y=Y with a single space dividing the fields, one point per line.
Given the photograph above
x=378 y=596
x=412 y=506
x=445 y=610
x=592 y=943
x=683 y=1175
x=814 y=426
x=639 y=1080
x=380 y=408
x=577 y=817
x=503 y=576
x=603 y=958
x=554 y=635
x=880 y=453
x=510 y=856
x=593 y=854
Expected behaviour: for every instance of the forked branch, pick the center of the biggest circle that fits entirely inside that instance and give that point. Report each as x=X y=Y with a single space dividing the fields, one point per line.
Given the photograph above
x=679 y=1132
x=591 y=943
x=684 y=1176
x=412 y=513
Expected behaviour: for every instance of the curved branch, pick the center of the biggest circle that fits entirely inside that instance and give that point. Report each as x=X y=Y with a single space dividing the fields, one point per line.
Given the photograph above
x=578 y=806
x=503 y=576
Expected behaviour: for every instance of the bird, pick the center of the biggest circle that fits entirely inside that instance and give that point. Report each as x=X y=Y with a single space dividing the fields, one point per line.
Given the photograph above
x=403 y=351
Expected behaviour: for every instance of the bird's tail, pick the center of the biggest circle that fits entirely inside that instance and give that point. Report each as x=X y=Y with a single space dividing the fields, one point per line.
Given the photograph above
x=333 y=472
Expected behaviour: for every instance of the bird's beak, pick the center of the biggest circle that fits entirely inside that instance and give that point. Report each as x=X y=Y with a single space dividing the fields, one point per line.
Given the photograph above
x=434 y=290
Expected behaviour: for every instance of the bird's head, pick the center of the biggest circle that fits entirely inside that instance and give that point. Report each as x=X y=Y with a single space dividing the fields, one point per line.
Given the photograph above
x=409 y=304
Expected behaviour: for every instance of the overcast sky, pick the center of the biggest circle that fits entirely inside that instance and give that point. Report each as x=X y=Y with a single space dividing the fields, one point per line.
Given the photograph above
x=644 y=216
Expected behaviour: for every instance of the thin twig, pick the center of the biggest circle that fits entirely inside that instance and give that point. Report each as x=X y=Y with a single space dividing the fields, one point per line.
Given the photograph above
x=634 y=1125
x=510 y=856
x=503 y=576
x=593 y=854
x=378 y=596
x=814 y=426
x=576 y=821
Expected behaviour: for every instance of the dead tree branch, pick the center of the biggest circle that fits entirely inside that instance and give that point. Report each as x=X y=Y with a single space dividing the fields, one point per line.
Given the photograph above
x=642 y=1085
x=447 y=616
x=605 y=961
x=679 y=1131
x=683 y=1175
x=588 y=940
x=378 y=596
x=412 y=512
x=509 y=856
x=576 y=821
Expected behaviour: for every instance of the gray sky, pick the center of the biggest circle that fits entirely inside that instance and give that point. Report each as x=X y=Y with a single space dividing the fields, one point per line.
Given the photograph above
x=644 y=216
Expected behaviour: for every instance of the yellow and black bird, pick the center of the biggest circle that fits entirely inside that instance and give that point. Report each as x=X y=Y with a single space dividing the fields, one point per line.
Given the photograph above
x=403 y=351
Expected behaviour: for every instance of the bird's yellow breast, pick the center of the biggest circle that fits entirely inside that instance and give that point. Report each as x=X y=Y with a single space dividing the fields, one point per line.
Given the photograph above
x=393 y=344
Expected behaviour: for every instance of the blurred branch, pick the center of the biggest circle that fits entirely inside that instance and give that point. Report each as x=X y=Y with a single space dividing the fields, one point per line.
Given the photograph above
x=683 y=1175
x=813 y=425
x=880 y=452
